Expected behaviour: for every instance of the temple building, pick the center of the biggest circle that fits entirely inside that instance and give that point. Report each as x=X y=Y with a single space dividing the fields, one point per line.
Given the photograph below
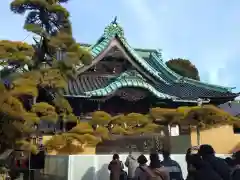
x=123 y=79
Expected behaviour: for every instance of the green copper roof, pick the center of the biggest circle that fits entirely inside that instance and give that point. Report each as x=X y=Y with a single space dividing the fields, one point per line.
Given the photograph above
x=150 y=59
x=170 y=85
x=128 y=79
x=90 y=85
x=112 y=31
x=144 y=53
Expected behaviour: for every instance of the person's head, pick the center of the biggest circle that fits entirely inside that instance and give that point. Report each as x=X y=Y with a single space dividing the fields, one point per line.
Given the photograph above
x=188 y=154
x=130 y=151
x=229 y=161
x=236 y=157
x=142 y=159
x=115 y=157
x=154 y=160
x=196 y=161
x=154 y=157
x=166 y=154
x=206 y=150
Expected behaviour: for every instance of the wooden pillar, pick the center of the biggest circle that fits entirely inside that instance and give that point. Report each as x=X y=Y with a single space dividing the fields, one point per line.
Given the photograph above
x=99 y=106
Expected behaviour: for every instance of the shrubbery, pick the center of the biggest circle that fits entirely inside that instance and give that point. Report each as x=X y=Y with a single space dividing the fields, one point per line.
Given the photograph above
x=32 y=77
x=103 y=125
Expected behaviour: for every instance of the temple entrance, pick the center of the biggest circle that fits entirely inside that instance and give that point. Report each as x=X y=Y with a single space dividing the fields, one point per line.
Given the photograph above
x=117 y=105
x=123 y=101
x=128 y=100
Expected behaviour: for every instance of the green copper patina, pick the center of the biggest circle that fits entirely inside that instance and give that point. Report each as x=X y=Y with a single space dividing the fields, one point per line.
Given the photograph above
x=114 y=30
x=154 y=63
x=129 y=79
x=170 y=86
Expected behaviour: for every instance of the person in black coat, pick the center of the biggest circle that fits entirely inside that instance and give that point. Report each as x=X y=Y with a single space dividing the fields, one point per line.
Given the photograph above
x=202 y=170
x=172 y=166
x=217 y=164
x=190 y=168
x=115 y=167
x=236 y=169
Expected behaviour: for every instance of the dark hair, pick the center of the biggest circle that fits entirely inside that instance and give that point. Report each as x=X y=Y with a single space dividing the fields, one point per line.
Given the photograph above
x=154 y=161
x=188 y=154
x=115 y=156
x=196 y=161
x=205 y=150
x=154 y=156
x=236 y=157
x=166 y=154
x=142 y=159
x=229 y=161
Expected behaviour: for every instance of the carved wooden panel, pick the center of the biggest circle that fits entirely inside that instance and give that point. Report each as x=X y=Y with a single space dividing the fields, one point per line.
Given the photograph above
x=131 y=94
x=114 y=52
x=110 y=65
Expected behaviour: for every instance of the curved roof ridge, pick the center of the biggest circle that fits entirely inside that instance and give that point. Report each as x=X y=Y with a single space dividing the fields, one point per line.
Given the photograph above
x=133 y=74
x=121 y=83
x=135 y=48
x=189 y=80
x=115 y=30
x=143 y=62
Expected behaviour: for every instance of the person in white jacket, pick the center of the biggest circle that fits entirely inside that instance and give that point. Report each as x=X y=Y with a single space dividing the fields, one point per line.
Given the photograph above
x=131 y=163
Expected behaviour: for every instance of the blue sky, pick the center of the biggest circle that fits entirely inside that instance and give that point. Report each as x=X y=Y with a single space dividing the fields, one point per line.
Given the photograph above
x=207 y=32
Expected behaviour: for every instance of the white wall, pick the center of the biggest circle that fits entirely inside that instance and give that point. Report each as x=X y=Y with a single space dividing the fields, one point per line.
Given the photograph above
x=89 y=167
x=95 y=167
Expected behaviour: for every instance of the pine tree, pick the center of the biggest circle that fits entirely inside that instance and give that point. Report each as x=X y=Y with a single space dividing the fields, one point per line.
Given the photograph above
x=184 y=68
x=32 y=76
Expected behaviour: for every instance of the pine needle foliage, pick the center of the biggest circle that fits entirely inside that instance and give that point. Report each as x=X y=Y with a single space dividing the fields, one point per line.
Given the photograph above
x=104 y=127
x=184 y=68
x=33 y=76
x=207 y=116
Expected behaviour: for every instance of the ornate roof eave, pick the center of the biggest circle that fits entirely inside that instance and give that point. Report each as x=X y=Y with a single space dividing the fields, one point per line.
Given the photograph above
x=102 y=93
x=78 y=96
x=138 y=50
x=127 y=82
x=174 y=99
x=205 y=100
x=195 y=101
x=232 y=95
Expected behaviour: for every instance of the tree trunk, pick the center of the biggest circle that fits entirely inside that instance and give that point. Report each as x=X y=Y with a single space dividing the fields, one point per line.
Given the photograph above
x=198 y=135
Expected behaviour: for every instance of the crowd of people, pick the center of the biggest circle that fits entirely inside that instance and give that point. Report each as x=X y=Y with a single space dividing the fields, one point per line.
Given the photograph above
x=202 y=164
